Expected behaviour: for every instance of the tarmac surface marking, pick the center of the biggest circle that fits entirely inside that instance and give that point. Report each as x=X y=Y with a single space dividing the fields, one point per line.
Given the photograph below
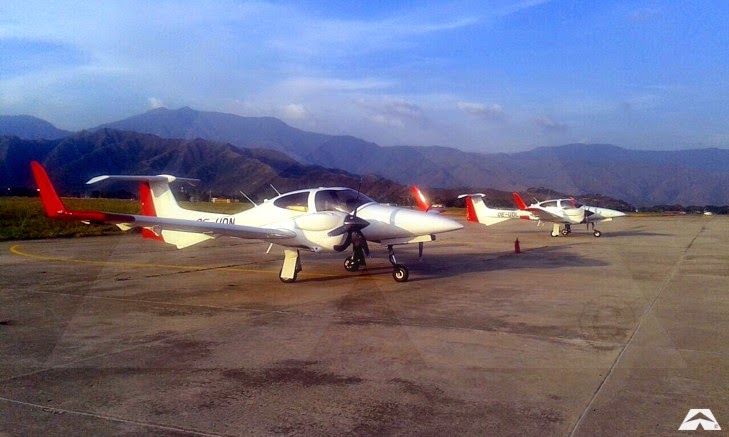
x=618 y=335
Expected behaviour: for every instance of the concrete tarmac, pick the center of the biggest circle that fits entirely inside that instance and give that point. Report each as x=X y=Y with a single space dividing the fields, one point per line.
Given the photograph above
x=584 y=336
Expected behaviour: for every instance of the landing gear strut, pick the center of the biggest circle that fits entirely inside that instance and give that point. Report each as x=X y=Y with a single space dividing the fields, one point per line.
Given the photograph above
x=400 y=273
x=291 y=266
x=595 y=232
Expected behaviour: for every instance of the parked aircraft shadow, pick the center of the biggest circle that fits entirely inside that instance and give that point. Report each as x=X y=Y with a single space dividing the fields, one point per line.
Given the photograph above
x=635 y=233
x=445 y=265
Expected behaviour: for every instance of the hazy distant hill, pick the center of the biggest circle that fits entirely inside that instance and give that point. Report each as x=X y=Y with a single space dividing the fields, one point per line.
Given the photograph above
x=640 y=177
x=690 y=177
x=222 y=168
x=263 y=132
x=29 y=127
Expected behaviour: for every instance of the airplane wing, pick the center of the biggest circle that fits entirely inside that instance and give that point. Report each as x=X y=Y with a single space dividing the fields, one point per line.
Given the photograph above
x=218 y=229
x=544 y=215
x=55 y=208
x=538 y=212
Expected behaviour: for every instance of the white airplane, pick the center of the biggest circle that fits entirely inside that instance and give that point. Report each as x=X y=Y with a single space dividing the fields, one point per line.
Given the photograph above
x=559 y=212
x=320 y=219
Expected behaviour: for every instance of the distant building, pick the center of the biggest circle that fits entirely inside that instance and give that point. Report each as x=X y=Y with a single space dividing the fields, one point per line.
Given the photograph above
x=223 y=200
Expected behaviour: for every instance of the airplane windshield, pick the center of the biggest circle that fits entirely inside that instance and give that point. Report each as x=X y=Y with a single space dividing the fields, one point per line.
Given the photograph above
x=570 y=203
x=340 y=200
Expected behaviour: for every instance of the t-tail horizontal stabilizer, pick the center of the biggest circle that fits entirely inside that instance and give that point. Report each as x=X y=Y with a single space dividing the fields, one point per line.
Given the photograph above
x=477 y=211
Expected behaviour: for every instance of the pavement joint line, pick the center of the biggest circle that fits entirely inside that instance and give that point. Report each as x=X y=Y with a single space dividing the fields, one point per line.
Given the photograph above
x=323 y=316
x=57 y=410
x=608 y=374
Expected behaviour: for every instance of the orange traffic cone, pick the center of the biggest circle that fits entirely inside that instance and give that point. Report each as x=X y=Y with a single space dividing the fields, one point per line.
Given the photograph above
x=517 y=247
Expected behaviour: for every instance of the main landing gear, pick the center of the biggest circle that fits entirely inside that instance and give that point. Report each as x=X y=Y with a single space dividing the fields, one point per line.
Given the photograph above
x=400 y=273
x=556 y=231
x=291 y=266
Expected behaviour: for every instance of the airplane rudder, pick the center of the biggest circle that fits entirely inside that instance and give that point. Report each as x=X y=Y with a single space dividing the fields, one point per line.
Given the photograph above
x=471 y=210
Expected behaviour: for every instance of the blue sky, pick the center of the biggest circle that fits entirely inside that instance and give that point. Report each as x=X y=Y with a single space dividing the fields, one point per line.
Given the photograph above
x=491 y=76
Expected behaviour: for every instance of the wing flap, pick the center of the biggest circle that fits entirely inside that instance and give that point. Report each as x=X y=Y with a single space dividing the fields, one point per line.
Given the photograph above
x=545 y=215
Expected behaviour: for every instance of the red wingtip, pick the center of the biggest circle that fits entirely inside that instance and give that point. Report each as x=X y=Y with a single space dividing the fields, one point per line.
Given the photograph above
x=420 y=198
x=51 y=202
x=519 y=201
x=470 y=211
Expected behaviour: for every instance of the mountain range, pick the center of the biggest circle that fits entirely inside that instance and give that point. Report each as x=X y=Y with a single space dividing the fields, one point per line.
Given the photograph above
x=689 y=177
x=223 y=169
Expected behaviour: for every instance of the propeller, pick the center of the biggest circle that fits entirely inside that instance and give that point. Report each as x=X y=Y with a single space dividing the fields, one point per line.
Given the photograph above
x=351 y=224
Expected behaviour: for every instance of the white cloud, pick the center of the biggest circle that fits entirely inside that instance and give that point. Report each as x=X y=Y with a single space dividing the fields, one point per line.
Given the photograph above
x=547 y=125
x=491 y=112
x=294 y=111
x=155 y=103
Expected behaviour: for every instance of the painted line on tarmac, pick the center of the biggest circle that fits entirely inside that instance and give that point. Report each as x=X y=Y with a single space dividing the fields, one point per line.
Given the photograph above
x=17 y=251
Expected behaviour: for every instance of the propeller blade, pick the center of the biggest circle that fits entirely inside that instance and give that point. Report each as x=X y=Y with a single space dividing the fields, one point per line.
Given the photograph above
x=351 y=223
x=345 y=244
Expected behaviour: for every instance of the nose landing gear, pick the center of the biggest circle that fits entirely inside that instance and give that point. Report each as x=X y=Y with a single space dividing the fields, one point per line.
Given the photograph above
x=400 y=273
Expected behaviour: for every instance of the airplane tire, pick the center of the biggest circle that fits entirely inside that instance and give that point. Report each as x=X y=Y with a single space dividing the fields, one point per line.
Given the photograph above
x=287 y=280
x=597 y=233
x=552 y=234
x=400 y=273
x=350 y=264
x=565 y=232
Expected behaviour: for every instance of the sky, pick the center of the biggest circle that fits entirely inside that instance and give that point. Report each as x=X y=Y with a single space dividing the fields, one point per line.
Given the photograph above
x=486 y=76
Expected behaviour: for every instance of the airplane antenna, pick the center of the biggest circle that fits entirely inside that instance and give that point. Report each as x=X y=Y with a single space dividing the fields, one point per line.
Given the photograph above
x=274 y=189
x=359 y=187
x=249 y=199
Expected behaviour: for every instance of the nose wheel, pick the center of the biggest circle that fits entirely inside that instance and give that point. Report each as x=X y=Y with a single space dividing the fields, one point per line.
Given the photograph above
x=350 y=264
x=400 y=273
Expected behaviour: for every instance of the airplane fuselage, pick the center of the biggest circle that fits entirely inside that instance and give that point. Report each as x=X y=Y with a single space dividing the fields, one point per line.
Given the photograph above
x=311 y=214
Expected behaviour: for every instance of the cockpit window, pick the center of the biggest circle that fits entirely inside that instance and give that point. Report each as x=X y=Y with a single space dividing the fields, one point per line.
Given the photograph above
x=294 y=202
x=549 y=204
x=340 y=200
x=570 y=203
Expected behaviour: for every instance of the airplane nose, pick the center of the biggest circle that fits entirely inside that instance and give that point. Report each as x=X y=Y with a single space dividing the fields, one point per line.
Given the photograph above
x=612 y=213
x=426 y=223
x=444 y=224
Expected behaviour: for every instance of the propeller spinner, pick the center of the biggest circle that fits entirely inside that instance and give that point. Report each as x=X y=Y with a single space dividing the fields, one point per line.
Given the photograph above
x=351 y=224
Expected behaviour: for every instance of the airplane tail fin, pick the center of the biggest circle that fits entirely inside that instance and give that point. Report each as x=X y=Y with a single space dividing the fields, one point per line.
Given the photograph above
x=155 y=193
x=155 y=196
x=519 y=201
x=477 y=211
x=158 y=200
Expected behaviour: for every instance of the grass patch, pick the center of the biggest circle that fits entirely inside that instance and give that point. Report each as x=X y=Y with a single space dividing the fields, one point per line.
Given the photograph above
x=22 y=218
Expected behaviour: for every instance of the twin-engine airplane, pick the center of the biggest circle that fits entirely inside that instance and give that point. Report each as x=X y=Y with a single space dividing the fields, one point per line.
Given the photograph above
x=320 y=219
x=559 y=212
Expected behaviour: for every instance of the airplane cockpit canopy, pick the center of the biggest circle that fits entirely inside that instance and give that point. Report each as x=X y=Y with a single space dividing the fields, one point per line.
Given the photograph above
x=344 y=200
x=560 y=203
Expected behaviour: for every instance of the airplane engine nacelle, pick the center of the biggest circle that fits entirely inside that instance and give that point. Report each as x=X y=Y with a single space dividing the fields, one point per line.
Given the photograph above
x=313 y=230
x=319 y=221
x=575 y=215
